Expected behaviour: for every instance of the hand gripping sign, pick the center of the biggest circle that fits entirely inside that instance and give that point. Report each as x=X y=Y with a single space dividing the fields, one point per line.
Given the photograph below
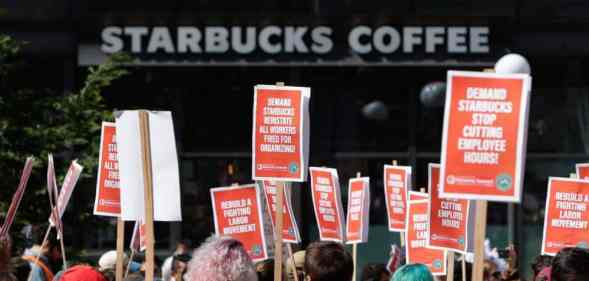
x=484 y=137
x=237 y=212
x=327 y=204
x=582 y=171
x=290 y=230
x=448 y=218
x=416 y=246
x=397 y=182
x=566 y=223
x=280 y=133
x=108 y=194
x=358 y=211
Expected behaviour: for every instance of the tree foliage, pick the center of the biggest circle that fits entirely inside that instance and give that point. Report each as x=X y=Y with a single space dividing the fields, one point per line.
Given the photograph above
x=40 y=121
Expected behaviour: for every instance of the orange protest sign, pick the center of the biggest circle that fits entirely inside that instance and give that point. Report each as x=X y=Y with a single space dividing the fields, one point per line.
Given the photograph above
x=484 y=137
x=417 y=195
x=238 y=213
x=397 y=182
x=448 y=218
x=327 y=203
x=290 y=229
x=358 y=211
x=108 y=193
x=582 y=171
x=280 y=133
x=416 y=249
x=566 y=223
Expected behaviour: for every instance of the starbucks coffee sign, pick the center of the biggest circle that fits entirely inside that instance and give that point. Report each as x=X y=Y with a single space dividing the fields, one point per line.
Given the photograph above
x=288 y=44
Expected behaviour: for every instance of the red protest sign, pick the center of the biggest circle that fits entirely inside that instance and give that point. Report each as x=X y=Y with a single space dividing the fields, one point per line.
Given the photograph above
x=327 y=203
x=238 y=213
x=358 y=211
x=138 y=241
x=280 y=133
x=20 y=190
x=290 y=229
x=394 y=259
x=397 y=182
x=417 y=195
x=484 y=137
x=582 y=171
x=416 y=234
x=65 y=193
x=448 y=218
x=566 y=222
x=108 y=193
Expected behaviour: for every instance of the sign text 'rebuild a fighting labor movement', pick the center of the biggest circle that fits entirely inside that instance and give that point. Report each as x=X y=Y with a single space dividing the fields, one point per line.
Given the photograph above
x=567 y=217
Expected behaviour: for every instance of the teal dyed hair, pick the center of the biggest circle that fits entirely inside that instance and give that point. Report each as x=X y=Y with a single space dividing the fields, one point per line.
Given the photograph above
x=412 y=272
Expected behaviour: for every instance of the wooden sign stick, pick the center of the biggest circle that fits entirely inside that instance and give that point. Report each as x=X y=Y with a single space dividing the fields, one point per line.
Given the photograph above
x=292 y=264
x=463 y=267
x=479 y=240
x=148 y=193
x=450 y=274
x=120 y=248
x=355 y=247
x=279 y=217
x=129 y=263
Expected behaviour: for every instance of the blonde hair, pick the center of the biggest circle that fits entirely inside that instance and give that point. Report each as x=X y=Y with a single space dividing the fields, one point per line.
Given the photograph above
x=221 y=259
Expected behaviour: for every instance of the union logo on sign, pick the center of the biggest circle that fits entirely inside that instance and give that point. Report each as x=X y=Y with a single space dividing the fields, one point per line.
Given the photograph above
x=293 y=168
x=504 y=182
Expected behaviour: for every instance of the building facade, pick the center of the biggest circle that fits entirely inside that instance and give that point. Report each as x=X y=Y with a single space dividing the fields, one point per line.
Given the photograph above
x=366 y=62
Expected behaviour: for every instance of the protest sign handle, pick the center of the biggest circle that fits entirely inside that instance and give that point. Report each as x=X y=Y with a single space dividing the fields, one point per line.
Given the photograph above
x=148 y=193
x=463 y=267
x=129 y=263
x=120 y=248
x=278 y=216
x=479 y=240
x=355 y=256
x=450 y=274
x=62 y=250
x=292 y=264
x=43 y=242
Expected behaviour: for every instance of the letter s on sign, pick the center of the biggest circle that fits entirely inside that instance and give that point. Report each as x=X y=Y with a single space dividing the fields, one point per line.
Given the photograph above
x=111 y=42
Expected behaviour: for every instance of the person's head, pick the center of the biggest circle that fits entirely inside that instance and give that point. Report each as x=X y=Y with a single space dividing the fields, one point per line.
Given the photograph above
x=326 y=261
x=22 y=268
x=221 y=259
x=544 y=275
x=5 y=255
x=539 y=263
x=108 y=261
x=375 y=272
x=183 y=247
x=571 y=264
x=298 y=259
x=265 y=270
x=82 y=273
x=180 y=263
x=412 y=272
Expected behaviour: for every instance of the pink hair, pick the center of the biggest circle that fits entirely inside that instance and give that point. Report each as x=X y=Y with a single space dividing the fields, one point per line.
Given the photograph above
x=221 y=259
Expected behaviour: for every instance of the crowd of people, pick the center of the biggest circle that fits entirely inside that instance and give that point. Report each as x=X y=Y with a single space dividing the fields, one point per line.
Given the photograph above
x=225 y=259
